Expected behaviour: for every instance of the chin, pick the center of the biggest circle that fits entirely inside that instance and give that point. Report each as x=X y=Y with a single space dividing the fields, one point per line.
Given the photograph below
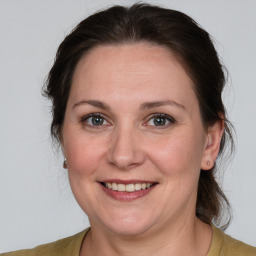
x=129 y=225
x=128 y=229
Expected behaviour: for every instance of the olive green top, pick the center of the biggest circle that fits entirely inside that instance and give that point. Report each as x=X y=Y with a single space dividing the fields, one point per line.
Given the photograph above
x=222 y=245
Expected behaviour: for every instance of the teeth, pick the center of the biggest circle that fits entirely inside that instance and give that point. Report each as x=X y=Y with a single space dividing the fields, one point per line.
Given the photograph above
x=143 y=185
x=128 y=187
x=121 y=187
x=114 y=186
x=137 y=186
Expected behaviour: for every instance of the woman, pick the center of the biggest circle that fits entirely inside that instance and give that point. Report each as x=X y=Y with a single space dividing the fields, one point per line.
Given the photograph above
x=137 y=110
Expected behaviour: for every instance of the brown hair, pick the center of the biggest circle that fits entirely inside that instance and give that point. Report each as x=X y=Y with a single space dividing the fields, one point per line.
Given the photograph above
x=169 y=28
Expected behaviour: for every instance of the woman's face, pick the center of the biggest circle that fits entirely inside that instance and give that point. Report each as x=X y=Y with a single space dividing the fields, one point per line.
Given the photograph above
x=133 y=139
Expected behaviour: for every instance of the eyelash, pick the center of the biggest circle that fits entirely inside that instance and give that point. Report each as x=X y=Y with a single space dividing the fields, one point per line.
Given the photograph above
x=170 y=119
x=84 y=120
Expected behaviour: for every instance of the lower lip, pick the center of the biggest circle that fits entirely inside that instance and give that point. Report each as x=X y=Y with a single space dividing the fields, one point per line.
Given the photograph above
x=126 y=196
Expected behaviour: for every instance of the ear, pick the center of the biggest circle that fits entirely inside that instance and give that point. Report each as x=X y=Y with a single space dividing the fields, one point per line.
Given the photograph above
x=62 y=147
x=212 y=145
x=65 y=166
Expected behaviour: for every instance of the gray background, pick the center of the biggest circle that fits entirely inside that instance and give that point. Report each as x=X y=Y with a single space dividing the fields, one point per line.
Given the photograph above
x=36 y=204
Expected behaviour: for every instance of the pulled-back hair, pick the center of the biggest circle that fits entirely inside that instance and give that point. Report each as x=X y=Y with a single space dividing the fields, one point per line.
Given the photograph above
x=171 y=29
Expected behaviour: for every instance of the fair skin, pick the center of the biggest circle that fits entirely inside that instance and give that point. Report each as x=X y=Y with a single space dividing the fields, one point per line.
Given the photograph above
x=132 y=117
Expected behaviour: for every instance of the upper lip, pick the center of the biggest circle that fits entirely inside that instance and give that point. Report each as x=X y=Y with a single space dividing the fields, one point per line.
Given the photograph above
x=119 y=181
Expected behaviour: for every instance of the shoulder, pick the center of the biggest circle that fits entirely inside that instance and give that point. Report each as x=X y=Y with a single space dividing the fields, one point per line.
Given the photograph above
x=234 y=247
x=225 y=245
x=66 y=246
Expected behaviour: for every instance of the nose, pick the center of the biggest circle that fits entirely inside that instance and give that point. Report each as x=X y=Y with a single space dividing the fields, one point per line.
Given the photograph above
x=125 y=150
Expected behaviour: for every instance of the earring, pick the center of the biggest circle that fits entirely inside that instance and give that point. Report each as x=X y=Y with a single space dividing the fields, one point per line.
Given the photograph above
x=208 y=163
x=65 y=164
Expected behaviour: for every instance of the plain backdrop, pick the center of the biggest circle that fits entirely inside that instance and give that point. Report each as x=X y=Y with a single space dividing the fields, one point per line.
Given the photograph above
x=36 y=204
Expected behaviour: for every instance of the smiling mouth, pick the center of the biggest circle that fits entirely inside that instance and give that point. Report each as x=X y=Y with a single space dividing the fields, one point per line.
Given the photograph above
x=127 y=187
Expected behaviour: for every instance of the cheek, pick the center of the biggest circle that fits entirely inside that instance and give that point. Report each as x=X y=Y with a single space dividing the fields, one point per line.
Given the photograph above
x=83 y=154
x=177 y=155
x=178 y=160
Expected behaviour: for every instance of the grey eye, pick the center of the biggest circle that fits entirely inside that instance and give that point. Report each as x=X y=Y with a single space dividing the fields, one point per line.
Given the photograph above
x=95 y=120
x=159 y=121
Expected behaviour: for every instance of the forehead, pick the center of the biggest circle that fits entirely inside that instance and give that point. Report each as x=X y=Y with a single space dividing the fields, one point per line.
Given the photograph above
x=130 y=72
x=128 y=56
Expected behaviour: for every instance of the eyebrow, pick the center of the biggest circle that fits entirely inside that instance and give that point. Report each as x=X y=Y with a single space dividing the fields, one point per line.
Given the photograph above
x=94 y=103
x=154 y=104
x=143 y=106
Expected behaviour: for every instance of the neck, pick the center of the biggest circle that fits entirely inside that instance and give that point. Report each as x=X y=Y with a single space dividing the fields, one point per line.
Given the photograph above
x=188 y=238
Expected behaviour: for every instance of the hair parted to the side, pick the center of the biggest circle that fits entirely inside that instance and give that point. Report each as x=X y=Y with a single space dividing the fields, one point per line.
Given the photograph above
x=164 y=27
